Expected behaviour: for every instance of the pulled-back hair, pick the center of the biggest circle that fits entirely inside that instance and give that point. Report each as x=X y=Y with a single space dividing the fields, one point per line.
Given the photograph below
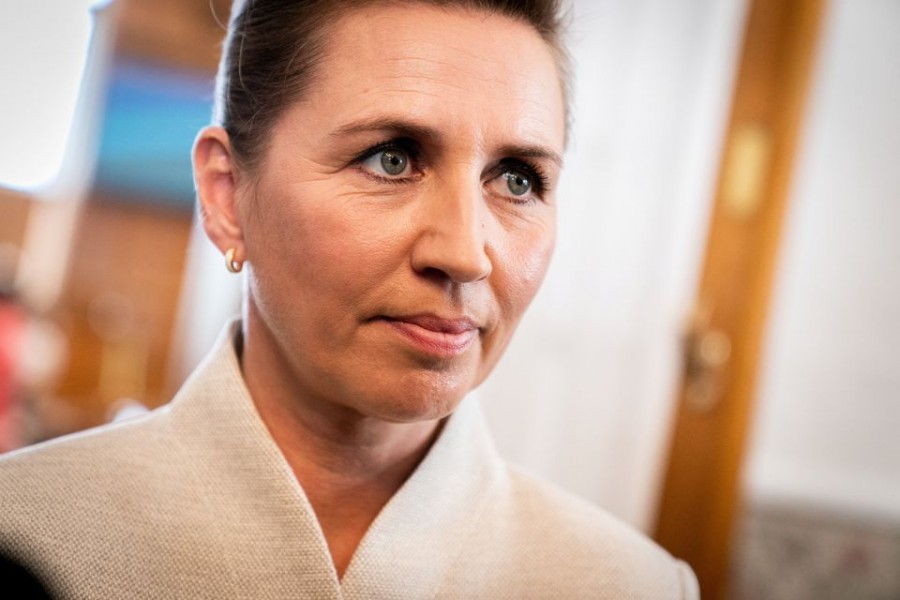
x=274 y=46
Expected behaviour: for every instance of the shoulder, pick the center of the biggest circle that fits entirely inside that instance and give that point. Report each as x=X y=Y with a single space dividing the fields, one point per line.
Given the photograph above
x=83 y=455
x=551 y=511
x=81 y=489
x=110 y=509
x=96 y=473
x=68 y=456
x=144 y=448
x=556 y=541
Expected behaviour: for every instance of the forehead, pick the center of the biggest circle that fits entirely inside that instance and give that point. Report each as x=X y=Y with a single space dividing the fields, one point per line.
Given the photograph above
x=469 y=74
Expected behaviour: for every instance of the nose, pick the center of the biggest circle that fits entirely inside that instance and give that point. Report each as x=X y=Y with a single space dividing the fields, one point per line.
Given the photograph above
x=453 y=239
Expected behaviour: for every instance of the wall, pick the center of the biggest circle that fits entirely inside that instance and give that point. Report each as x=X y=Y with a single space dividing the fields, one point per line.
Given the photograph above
x=828 y=413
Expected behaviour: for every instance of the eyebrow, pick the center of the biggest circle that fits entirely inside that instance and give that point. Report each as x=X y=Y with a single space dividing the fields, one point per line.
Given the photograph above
x=538 y=152
x=418 y=131
x=396 y=126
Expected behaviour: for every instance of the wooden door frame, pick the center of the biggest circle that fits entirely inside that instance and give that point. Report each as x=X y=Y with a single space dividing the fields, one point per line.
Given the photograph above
x=701 y=487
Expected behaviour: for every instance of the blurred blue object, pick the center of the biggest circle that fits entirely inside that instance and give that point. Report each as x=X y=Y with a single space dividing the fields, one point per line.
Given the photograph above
x=151 y=118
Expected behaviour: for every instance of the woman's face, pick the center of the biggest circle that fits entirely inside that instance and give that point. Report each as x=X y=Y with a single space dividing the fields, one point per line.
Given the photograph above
x=404 y=214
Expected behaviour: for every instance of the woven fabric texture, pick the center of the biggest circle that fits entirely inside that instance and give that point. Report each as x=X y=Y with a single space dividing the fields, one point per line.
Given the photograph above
x=195 y=500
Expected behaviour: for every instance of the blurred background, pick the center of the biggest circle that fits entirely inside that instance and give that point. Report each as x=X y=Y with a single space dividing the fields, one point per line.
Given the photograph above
x=714 y=357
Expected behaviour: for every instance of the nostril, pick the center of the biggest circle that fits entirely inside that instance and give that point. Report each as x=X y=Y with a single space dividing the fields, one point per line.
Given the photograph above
x=455 y=273
x=435 y=274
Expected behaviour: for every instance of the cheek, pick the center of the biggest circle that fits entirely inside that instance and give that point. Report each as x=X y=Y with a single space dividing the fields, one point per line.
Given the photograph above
x=324 y=241
x=518 y=274
x=525 y=264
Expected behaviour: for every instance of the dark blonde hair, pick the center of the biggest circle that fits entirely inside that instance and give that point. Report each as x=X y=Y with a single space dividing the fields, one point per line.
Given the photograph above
x=274 y=46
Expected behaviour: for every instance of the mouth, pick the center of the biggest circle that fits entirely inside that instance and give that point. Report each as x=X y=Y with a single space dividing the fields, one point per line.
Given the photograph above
x=435 y=335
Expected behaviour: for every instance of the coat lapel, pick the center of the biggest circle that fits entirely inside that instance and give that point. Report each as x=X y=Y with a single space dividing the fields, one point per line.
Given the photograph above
x=264 y=526
x=417 y=537
x=261 y=518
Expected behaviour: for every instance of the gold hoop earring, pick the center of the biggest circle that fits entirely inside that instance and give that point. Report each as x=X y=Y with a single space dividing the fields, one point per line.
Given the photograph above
x=233 y=266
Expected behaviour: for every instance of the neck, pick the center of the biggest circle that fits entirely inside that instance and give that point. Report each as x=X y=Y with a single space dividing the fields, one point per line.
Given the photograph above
x=348 y=464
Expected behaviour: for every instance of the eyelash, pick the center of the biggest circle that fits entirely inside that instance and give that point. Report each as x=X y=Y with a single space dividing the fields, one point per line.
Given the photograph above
x=406 y=145
x=540 y=181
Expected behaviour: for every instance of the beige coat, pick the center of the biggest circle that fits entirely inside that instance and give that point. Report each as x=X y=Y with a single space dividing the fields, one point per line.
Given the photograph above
x=196 y=501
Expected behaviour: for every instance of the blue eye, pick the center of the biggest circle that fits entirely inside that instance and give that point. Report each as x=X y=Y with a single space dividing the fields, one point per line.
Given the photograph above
x=393 y=162
x=517 y=182
x=390 y=161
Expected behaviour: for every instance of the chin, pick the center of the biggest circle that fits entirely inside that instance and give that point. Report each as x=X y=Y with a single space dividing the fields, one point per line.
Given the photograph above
x=415 y=403
x=403 y=391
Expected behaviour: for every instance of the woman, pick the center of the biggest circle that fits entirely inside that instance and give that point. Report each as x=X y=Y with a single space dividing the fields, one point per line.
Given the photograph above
x=384 y=173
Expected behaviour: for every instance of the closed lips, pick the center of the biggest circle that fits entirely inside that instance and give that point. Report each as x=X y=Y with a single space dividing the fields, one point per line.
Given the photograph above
x=437 y=324
x=436 y=336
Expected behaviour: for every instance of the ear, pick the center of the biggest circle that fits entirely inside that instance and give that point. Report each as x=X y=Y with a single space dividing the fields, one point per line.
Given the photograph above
x=215 y=177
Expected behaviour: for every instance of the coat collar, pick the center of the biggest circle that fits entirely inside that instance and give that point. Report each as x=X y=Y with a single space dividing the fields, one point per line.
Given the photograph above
x=265 y=523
